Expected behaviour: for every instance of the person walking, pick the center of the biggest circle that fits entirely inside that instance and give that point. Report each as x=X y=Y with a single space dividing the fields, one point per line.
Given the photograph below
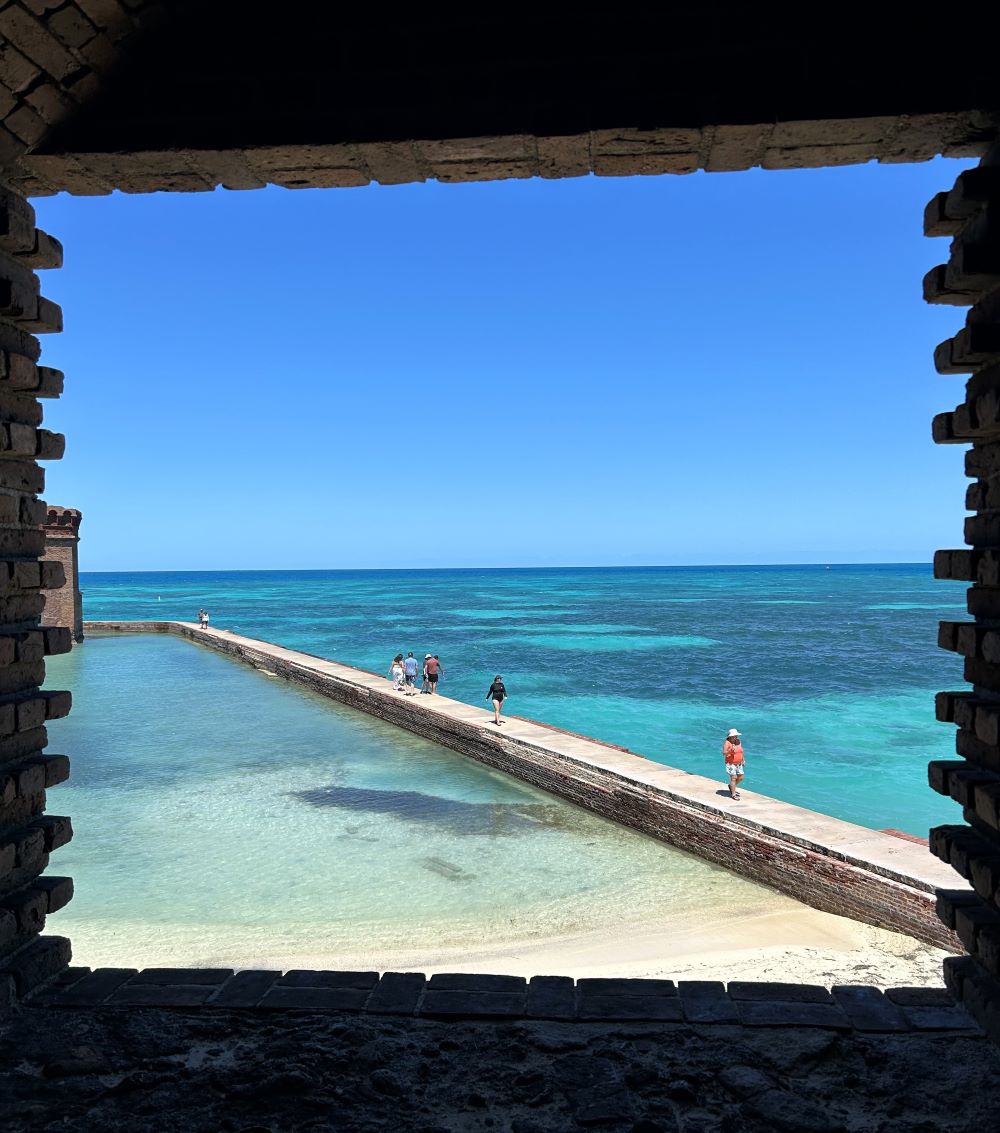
x=498 y=694
x=432 y=671
x=201 y=619
x=425 y=686
x=410 y=674
x=397 y=673
x=732 y=753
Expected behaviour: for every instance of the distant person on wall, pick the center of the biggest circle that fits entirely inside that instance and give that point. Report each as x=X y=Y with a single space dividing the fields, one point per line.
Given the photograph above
x=498 y=694
x=432 y=672
x=410 y=667
x=732 y=753
x=397 y=673
x=425 y=684
x=203 y=619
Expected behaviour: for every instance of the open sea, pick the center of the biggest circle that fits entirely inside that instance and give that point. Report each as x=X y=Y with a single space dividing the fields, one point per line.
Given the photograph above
x=225 y=817
x=829 y=672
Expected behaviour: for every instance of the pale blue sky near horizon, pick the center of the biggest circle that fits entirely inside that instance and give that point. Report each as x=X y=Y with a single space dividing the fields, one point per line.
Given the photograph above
x=711 y=369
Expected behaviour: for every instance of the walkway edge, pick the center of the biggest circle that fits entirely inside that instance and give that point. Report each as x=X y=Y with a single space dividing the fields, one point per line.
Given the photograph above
x=832 y=865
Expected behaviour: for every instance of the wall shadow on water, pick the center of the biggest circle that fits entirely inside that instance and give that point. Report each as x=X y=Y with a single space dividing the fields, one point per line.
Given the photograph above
x=456 y=816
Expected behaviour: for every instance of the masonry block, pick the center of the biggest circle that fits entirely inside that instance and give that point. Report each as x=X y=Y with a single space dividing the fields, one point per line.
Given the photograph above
x=95 y=988
x=397 y=993
x=37 y=963
x=303 y=978
x=869 y=1009
x=315 y=998
x=551 y=997
x=245 y=989
x=473 y=1004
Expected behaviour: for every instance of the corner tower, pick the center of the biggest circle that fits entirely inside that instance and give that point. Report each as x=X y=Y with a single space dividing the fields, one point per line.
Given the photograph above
x=64 y=607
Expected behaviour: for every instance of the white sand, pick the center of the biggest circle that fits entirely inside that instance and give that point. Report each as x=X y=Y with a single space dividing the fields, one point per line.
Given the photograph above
x=802 y=945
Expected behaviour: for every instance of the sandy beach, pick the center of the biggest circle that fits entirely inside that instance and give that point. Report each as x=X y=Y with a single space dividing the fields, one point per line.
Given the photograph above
x=798 y=945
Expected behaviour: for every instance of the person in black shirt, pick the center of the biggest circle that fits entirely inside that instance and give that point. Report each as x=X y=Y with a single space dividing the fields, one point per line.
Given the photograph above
x=498 y=694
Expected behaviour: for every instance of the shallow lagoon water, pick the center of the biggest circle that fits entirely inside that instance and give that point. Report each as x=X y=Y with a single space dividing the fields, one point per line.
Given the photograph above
x=219 y=811
x=829 y=672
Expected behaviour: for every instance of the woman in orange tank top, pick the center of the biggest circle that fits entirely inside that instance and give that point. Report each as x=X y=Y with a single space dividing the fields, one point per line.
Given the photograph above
x=732 y=753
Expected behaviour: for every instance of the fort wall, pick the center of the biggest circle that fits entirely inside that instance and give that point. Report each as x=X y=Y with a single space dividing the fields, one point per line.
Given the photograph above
x=824 y=862
x=64 y=604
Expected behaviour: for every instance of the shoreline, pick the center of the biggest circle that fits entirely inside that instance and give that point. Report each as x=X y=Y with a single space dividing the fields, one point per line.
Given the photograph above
x=823 y=862
x=805 y=946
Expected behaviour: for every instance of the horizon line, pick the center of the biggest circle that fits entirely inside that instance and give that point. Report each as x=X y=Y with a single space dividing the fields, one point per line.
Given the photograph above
x=561 y=566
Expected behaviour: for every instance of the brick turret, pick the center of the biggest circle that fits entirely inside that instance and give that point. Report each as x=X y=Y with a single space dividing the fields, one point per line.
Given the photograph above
x=64 y=607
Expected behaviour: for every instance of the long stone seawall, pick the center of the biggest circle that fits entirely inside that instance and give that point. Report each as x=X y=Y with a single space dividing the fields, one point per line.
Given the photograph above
x=824 y=862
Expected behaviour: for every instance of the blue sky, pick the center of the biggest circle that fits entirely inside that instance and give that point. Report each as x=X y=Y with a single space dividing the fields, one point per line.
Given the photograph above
x=719 y=368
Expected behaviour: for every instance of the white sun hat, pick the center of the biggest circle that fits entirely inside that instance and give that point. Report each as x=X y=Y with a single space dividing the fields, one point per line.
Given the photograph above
x=733 y=732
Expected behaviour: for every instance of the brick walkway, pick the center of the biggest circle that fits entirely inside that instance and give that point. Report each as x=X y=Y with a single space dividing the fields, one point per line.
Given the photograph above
x=470 y=996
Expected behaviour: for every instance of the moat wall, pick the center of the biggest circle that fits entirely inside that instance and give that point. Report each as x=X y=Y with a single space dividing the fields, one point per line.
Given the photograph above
x=886 y=882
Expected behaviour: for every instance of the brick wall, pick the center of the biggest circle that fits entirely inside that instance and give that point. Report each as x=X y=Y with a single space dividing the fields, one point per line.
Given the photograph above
x=27 y=835
x=798 y=867
x=64 y=604
x=970 y=214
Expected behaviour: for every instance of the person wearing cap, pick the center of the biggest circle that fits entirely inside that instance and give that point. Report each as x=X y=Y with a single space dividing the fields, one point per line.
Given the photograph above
x=732 y=753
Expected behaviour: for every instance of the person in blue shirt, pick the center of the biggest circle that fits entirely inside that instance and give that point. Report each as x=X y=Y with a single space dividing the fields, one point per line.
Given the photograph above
x=410 y=668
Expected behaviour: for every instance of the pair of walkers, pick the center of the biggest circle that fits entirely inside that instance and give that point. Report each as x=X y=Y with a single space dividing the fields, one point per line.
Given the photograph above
x=403 y=673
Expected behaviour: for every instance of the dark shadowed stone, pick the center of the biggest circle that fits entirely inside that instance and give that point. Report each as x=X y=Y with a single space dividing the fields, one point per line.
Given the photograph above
x=472 y=1003
x=662 y=1008
x=95 y=988
x=792 y=1114
x=158 y=995
x=184 y=977
x=603 y=1107
x=771 y=1014
x=305 y=978
x=397 y=993
x=952 y=1018
x=551 y=997
x=316 y=998
x=706 y=1001
x=613 y=986
x=472 y=981
x=245 y=989
x=744 y=1080
x=869 y=1010
x=920 y=996
x=780 y=992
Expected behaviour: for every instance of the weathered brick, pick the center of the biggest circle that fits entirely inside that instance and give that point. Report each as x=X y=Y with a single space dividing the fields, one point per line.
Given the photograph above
x=771 y=1013
x=706 y=1001
x=476 y=982
x=551 y=997
x=869 y=1010
x=315 y=998
x=661 y=1008
x=29 y=907
x=779 y=992
x=95 y=988
x=155 y=995
x=306 y=978
x=183 y=977
x=397 y=993
x=245 y=989
x=33 y=39
x=473 y=1004
x=58 y=889
x=57 y=704
x=57 y=829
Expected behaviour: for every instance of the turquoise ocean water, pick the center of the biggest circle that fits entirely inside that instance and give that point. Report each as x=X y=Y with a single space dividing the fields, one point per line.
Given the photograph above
x=828 y=671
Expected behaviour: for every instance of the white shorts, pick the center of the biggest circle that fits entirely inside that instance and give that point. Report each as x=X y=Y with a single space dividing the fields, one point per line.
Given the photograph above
x=735 y=770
